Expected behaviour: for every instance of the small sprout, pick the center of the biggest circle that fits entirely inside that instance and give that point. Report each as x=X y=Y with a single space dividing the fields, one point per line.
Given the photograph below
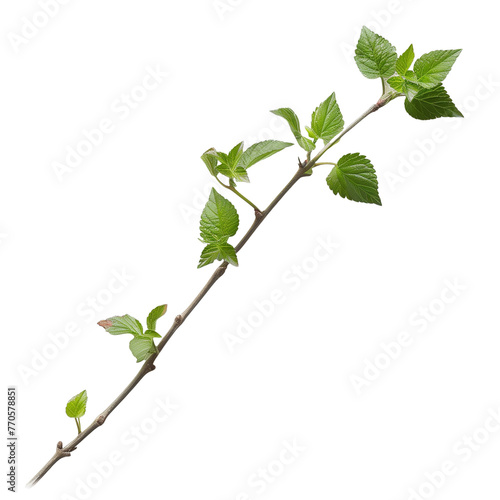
x=76 y=408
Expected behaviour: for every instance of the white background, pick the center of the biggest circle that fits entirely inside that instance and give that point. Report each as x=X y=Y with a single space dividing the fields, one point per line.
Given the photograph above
x=132 y=206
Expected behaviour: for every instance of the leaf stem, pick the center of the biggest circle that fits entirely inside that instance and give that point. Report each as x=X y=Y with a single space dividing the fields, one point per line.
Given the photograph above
x=148 y=365
x=384 y=86
x=78 y=425
x=237 y=193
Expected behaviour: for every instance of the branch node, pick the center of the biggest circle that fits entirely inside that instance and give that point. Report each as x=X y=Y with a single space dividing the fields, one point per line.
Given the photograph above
x=100 y=419
x=60 y=451
x=220 y=271
x=258 y=214
x=179 y=319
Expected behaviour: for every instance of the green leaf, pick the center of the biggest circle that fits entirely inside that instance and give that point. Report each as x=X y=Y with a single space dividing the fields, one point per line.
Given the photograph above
x=155 y=315
x=432 y=103
x=404 y=61
x=218 y=251
x=411 y=86
x=375 y=56
x=219 y=219
x=293 y=120
x=237 y=173
x=433 y=67
x=229 y=164
x=77 y=405
x=312 y=134
x=411 y=76
x=142 y=348
x=235 y=154
x=410 y=90
x=209 y=157
x=260 y=151
x=396 y=82
x=151 y=334
x=119 y=325
x=400 y=84
x=354 y=178
x=326 y=120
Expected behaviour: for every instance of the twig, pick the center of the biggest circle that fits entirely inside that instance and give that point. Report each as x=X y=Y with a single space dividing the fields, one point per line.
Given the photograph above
x=148 y=365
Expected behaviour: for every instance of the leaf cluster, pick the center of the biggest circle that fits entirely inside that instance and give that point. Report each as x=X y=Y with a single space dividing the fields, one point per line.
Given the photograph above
x=142 y=345
x=353 y=176
x=426 y=97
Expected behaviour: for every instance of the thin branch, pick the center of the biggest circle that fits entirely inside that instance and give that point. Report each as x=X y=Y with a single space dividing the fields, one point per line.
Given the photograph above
x=148 y=365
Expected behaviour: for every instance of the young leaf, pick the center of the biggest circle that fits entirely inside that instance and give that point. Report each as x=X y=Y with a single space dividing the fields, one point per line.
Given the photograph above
x=431 y=103
x=411 y=76
x=354 y=178
x=293 y=120
x=326 y=121
x=400 y=84
x=229 y=164
x=433 y=67
x=396 y=82
x=142 y=348
x=218 y=251
x=260 y=151
x=235 y=153
x=237 y=173
x=209 y=157
x=219 y=219
x=77 y=405
x=119 y=325
x=151 y=334
x=155 y=315
x=404 y=61
x=375 y=56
